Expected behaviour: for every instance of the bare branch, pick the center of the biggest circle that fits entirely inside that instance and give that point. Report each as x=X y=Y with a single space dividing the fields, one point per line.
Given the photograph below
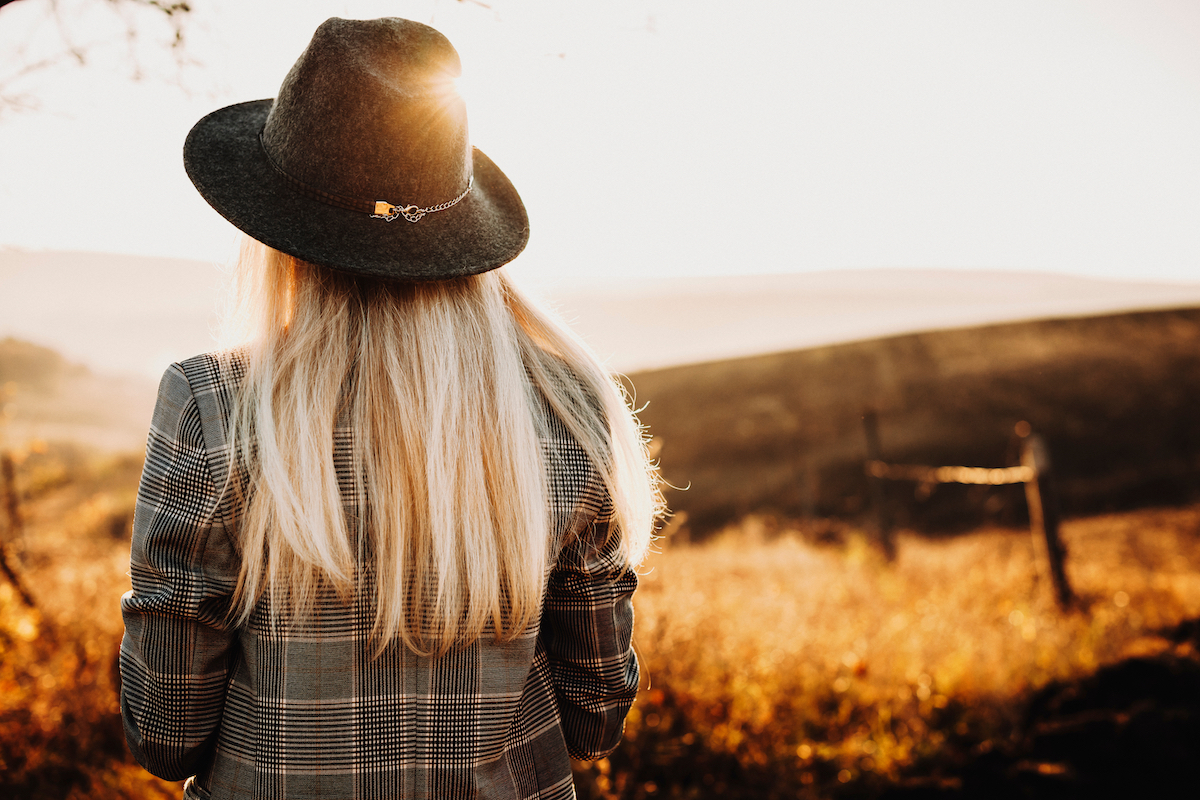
x=174 y=14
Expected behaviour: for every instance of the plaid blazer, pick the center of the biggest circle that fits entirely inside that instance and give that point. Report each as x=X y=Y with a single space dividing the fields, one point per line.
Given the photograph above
x=257 y=712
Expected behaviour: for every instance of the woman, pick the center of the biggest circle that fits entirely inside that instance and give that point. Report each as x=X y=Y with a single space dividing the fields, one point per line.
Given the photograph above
x=386 y=548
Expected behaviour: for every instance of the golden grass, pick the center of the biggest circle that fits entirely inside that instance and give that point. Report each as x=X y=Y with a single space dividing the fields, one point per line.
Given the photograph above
x=776 y=666
x=800 y=666
x=60 y=730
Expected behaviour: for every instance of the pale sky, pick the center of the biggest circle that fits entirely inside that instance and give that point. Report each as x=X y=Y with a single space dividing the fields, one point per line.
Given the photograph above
x=664 y=138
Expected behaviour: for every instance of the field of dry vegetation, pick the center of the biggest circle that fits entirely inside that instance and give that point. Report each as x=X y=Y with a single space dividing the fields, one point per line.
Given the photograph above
x=782 y=659
x=60 y=730
x=788 y=660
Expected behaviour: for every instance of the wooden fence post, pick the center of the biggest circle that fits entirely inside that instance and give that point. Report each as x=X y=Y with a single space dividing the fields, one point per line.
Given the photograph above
x=1043 y=514
x=875 y=483
x=12 y=512
x=8 y=489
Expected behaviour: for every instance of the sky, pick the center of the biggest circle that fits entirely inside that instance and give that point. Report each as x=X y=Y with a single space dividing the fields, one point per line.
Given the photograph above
x=667 y=139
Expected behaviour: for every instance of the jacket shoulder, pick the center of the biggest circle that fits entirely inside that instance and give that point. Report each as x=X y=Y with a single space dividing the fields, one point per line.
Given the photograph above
x=213 y=380
x=215 y=371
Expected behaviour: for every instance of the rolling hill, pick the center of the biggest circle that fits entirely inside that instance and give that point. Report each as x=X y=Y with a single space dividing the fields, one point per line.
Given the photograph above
x=1117 y=398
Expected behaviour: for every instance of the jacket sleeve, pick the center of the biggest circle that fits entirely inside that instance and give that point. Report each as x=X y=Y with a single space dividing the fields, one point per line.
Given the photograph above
x=587 y=629
x=177 y=647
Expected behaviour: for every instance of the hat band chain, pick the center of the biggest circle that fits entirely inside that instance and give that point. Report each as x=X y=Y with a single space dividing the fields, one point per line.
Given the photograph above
x=378 y=209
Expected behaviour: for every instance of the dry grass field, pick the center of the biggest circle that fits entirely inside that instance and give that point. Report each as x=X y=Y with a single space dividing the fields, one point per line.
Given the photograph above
x=60 y=732
x=778 y=666
x=781 y=659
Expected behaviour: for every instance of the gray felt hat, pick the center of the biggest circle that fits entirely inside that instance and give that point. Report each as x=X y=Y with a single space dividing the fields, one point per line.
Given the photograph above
x=362 y=163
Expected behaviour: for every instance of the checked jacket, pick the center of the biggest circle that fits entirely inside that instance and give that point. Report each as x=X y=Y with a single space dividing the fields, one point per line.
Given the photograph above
x=310 y=711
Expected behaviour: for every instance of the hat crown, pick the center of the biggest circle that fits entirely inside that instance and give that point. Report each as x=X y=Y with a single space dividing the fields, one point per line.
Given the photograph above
x=370 y=111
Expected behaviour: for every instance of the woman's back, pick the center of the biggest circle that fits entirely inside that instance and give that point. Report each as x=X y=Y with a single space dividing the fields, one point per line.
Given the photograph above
x=312 y=711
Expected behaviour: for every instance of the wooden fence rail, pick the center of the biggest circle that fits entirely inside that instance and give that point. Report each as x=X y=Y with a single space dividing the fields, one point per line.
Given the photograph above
x=1035 y=472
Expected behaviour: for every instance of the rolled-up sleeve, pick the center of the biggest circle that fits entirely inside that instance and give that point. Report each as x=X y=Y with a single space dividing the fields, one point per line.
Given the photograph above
x=178 y=646
x=587 y=629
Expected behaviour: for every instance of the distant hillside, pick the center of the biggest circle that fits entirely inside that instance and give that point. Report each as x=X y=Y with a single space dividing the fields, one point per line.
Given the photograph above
x=45 y=397
x=1117 y=397
x=652 y=324
x=137 y=314
x=28 y=367
x=118 y=314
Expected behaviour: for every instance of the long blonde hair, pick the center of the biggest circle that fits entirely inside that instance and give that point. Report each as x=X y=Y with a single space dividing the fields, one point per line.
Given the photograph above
x=441 y=384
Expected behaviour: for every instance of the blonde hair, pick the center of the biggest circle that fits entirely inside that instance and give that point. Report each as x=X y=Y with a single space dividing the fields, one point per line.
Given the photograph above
x=441 y=383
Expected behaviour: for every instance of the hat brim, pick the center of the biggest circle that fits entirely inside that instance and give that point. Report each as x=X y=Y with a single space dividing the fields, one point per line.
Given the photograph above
x=487 y=228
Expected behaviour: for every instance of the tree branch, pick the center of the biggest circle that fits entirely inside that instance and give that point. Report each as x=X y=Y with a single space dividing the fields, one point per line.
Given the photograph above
x=173 y=13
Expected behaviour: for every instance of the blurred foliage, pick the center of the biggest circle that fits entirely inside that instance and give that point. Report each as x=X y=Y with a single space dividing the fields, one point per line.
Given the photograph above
x=60 y=729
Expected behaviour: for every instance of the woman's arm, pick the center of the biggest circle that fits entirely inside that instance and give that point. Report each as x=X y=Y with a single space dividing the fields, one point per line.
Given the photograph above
x=587 y=628
x=177 y=648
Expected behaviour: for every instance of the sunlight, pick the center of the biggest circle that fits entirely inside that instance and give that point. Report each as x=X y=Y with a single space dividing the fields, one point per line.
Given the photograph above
x=905 y=136
x=464 y=88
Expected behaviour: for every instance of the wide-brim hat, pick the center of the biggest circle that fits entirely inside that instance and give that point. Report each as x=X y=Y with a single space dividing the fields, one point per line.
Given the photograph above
x=363 y=163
